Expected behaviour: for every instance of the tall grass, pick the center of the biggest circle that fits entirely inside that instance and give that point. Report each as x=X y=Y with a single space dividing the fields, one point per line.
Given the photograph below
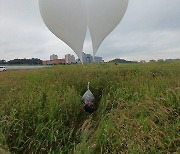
x=138 y=109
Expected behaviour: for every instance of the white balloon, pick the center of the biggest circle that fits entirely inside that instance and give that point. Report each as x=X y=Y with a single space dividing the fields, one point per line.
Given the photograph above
x=103 y=17
x=67 y=20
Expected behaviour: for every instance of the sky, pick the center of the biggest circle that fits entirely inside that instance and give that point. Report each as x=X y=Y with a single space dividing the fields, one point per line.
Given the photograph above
x=150 y=29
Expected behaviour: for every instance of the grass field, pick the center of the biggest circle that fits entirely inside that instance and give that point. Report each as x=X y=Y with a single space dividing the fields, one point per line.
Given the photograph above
x=138 y=112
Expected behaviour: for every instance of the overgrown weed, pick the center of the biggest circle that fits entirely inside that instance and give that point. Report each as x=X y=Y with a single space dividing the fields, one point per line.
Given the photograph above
x=138 y=109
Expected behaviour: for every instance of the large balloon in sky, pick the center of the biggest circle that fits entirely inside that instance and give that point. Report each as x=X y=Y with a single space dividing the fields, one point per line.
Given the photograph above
x=103 y=17
x=69 y=19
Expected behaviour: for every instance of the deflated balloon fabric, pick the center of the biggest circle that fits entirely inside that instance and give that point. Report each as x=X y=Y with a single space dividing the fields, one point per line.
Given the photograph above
x=88 y=97
x=89 y=101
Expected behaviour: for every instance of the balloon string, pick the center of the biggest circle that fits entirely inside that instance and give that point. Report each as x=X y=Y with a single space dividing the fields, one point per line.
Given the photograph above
x=88 y=85
x=83 y=66
x=88 y=75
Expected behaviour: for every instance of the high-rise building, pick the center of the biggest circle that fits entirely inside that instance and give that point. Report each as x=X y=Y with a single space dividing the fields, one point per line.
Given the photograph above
x=53 y=57
x=69 y=59
x=88 y=58
x=98 y=59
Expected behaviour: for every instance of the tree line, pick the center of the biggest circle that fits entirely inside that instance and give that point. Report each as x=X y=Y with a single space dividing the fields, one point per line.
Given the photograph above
x=122 y=61
x=32 y=61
